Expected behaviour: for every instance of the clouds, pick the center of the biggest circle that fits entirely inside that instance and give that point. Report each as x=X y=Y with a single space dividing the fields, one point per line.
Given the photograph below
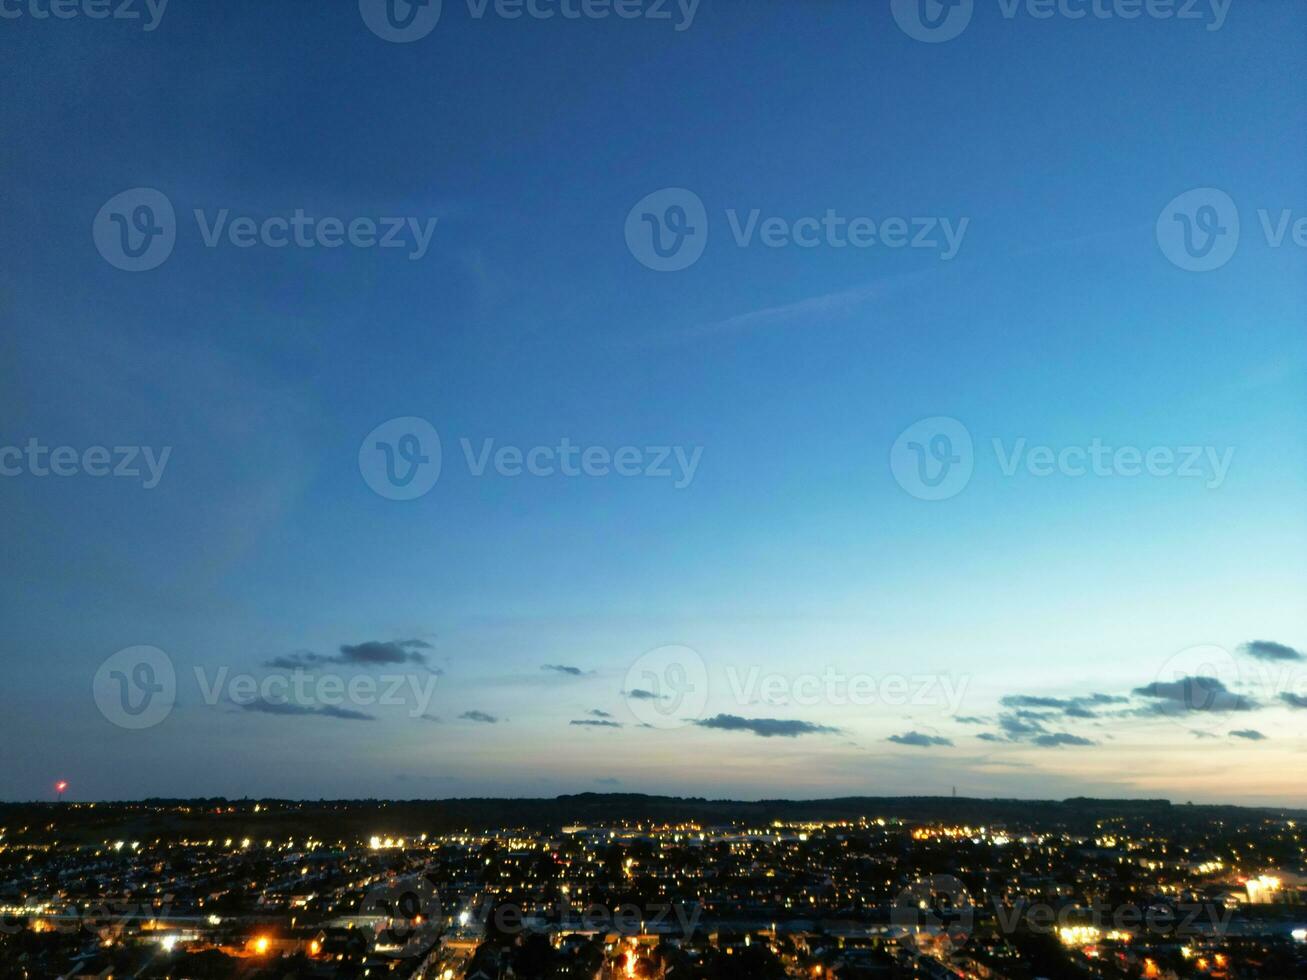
x=1075 y=707
x=480 y=716
x=1193 y=694
x=1027 y=727
x=370 y=653
x=596 y=723
x=1270 y=650
x=640 y=694
x=1055 y=739
x=919 y=739
x=563 y=669
x=1030 y=718
x=766 y=727
x=288 y=709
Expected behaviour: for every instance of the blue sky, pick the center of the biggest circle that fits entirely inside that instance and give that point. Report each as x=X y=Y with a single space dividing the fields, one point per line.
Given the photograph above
x=793 y=549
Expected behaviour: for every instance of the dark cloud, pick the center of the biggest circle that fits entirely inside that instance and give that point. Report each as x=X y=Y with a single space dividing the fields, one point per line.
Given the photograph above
x=298 y=659
x=481 y=716
x=1269 y=650
x=596 y=723
x=608 y=781
x=431 y=718
x=1293 y=700
x=598 y=713
x=969 y=720
x=1027 y=726
x=368 y=654
x=385 y=652
x=1251 y=734
x=919 y=739
x=1080 y=706
x=640 y=694
x=1018 y=724
x=1053 y=739
x=563 y=669
x=1193 y=694
x=765 y=727
x=286 y=708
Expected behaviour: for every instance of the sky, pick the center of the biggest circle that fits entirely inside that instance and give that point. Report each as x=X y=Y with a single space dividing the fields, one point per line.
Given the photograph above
x=749 y=400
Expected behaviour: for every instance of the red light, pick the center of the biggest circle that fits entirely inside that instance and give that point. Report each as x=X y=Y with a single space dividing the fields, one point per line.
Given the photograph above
x=60 y=786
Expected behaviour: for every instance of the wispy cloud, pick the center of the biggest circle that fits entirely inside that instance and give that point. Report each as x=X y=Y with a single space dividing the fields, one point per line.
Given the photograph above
x=480 y=716
x=596 y=723
x=919 y=739
x=367 y=654
x=289 y=709
x=1251 y=734
x=1055 y=739
x=563 y=669
x=766 y=727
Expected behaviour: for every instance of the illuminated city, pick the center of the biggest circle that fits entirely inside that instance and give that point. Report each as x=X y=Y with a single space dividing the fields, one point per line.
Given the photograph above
x=273 y=888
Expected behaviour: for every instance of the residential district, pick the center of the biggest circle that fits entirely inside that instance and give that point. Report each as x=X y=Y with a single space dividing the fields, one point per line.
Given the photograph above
x=281 y=889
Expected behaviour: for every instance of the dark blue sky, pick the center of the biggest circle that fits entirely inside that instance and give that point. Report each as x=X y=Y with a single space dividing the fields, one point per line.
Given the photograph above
x=1050 y=147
